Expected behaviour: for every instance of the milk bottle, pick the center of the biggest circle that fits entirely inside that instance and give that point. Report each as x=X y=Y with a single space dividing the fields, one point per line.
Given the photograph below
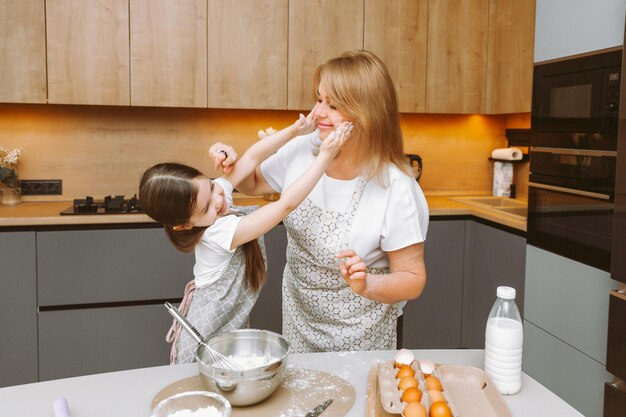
x=504 y=339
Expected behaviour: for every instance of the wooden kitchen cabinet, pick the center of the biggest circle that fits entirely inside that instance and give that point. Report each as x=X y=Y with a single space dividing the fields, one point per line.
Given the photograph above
x=88 y=52
x=247 y=50
x=397 y=33
x=168 y=53
x=22 y=51
x=510 y=56
x=318 y=30
x=457 y=56
x=268 y=311
x=433 y=321
x=18 y=308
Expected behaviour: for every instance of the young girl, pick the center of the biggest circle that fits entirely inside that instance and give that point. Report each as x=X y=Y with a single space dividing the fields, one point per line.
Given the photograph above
x=197 y=214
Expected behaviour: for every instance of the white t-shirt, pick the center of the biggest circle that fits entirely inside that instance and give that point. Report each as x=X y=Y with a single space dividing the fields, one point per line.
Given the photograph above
x=388 y=217
x=213 y=252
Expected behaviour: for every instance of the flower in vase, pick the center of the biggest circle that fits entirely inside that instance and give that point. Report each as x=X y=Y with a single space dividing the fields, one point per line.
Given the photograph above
x=8 y=166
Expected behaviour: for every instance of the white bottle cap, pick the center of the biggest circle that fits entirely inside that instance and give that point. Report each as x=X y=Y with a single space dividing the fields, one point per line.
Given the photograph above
x=506 y=292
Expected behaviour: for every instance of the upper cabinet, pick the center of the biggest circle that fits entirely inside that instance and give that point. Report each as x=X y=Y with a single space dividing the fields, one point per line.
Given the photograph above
x=318 y=30
x=247 y=50
x=457 y=56
x=168 y=53
x=22 y=51
x=510 y=56
x=396 y=32
x=88 y=61
x=444 y=56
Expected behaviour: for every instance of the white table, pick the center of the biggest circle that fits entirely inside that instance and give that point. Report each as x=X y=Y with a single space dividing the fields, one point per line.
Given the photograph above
x=129 y=393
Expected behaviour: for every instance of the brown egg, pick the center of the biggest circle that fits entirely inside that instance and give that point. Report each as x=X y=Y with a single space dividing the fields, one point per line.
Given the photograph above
x=414 y=409
x=406 y=382
x=411 y=394
x=435 y=395
x=405 y=370
x=439 y=409
x=432 y=382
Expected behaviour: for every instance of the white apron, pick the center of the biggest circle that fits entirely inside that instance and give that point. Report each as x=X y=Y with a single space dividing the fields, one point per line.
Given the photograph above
x=320 y=311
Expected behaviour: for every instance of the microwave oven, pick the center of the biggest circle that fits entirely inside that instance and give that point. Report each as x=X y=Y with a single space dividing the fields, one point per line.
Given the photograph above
x=575 y=102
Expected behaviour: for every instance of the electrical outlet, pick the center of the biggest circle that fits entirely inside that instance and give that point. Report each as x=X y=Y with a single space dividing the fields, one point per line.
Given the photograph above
x=42 y=187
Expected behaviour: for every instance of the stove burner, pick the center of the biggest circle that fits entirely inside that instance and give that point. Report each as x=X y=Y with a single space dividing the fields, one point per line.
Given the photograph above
x=110 y=205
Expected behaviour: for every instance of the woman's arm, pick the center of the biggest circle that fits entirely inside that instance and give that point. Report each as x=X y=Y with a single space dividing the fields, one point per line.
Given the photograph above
x=265 y=218
x=406 y=280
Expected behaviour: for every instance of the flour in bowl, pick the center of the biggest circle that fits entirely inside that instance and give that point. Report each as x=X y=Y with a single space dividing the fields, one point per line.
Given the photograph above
x=209 y=411
x=251 y=361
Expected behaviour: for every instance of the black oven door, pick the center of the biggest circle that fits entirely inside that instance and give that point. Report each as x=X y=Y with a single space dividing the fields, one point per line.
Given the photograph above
x=572 y=223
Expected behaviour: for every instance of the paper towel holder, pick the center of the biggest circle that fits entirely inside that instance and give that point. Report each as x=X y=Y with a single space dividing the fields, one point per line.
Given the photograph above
x=525 y=158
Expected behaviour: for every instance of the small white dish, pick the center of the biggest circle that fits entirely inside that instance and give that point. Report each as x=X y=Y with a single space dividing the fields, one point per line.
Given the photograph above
x=192 y=401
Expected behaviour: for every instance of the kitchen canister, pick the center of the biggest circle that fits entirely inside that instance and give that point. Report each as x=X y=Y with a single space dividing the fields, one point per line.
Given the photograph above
x=504 y=340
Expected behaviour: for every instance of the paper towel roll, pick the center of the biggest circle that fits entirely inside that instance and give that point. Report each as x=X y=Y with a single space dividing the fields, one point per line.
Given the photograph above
x=507 y=154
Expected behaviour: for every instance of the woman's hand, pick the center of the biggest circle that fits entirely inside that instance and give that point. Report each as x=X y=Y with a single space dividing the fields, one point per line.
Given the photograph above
x=308 y=124
x=223 y=157
x=352 y=269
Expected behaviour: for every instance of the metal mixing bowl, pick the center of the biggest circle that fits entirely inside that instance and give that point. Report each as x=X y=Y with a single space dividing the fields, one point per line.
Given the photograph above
x=249 y=385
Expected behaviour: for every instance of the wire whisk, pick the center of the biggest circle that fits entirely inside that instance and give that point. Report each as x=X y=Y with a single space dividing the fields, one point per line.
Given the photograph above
x=220 y=360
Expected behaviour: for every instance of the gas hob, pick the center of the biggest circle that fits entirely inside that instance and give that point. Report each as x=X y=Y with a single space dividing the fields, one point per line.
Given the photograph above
x=108 y=205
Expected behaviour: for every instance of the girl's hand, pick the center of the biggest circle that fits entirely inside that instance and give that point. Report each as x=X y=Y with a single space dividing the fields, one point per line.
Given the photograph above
x=308 y=124
x=352 y=269
x=223 y=157
x=333 y=143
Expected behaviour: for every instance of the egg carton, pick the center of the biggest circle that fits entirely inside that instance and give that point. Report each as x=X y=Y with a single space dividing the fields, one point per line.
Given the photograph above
x=390 y=395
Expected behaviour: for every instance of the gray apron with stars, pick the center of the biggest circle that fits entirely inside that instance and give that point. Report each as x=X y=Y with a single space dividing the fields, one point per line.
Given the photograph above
x=223 y=305
x=320 y=311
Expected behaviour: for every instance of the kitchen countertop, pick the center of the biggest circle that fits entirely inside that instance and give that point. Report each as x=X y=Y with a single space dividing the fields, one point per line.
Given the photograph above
x=130 y=393
x=47 y=213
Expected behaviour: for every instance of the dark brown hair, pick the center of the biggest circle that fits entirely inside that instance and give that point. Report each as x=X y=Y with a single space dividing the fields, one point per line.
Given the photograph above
x=168 y=195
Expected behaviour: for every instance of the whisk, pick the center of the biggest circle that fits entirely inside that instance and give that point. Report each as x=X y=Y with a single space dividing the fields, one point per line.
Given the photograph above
x=220 y=360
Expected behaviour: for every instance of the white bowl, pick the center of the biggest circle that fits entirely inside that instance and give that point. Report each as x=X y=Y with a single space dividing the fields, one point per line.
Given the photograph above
x=192 y=401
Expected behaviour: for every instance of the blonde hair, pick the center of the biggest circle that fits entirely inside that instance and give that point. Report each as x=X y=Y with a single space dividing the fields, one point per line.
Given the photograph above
x=359 y=85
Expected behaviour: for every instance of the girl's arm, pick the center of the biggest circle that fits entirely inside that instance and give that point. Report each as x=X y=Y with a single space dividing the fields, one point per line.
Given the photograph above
x=265 y=218
x=406 y=280
x=262 y=149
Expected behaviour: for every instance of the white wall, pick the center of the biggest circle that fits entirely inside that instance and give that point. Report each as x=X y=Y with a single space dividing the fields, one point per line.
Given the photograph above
x=570 y=27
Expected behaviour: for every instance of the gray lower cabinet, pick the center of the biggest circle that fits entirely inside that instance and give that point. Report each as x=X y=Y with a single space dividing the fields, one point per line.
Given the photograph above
x=18 y=308
x=101 y=298
x=494 y=257
x=95 y=340
x=565 y=328
x=267 y=312
x=103 y=266
x=434 y=319
x=465 y=262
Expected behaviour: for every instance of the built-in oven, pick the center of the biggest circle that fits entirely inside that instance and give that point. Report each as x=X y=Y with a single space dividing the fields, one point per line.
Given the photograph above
x=574 y=121
x=570 y=203
x=576 y=102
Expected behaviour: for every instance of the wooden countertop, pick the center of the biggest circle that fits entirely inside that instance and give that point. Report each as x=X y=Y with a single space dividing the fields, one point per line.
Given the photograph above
x=47 y=213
